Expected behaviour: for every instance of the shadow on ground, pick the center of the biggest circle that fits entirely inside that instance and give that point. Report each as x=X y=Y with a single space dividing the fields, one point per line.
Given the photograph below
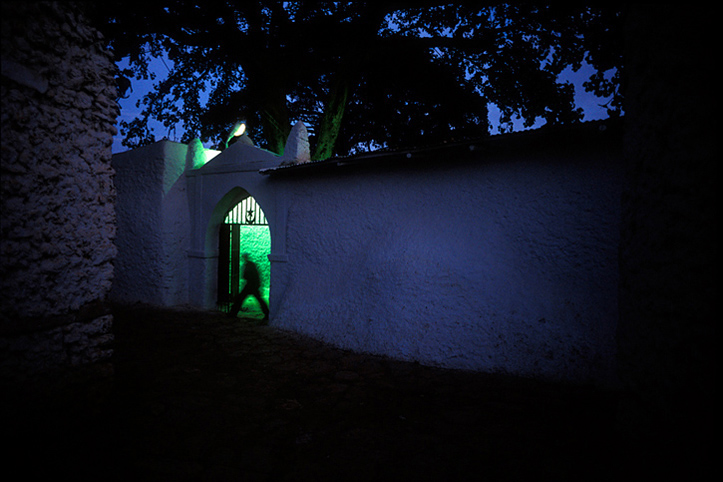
x=197 y=396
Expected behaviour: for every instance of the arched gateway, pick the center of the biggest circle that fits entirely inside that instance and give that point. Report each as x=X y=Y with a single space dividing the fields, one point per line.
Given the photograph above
x=244 y=230
x=173 y=203
x=215 y=189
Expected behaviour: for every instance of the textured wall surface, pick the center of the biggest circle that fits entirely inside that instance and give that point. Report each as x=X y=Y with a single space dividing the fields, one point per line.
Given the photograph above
x=153 y=225
x=508 y=265
x=58 y=220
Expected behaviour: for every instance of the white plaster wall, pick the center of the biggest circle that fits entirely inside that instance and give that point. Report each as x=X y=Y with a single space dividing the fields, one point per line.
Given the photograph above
x=503 y=264
x=506 y=266
x=176 y=226
x=153 y=225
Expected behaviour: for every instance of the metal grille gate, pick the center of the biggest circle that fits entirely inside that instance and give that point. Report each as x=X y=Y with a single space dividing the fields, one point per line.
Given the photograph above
x=245 y=213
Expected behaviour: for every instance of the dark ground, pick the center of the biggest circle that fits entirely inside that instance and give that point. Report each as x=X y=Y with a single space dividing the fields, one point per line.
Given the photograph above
x=197 y=396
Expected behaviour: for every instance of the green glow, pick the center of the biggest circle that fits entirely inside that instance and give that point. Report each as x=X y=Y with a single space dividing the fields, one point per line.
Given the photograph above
x=210 y=154
x=197 y=156
x=238 y=130
x=256 y=240
x=245 y=230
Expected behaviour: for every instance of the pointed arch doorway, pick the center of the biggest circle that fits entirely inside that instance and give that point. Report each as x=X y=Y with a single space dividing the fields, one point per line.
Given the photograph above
x=244 y=229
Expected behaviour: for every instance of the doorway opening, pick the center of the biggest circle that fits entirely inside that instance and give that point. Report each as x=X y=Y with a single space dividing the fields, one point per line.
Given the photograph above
x=244 y=230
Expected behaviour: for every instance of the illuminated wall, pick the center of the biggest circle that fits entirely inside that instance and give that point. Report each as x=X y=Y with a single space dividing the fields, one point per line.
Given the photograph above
x=503 y=259
x=504 y=263
x=153 y=234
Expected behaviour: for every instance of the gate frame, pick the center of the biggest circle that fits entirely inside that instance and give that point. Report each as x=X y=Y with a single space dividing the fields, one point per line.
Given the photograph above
x=228 y=255
x=213 y=190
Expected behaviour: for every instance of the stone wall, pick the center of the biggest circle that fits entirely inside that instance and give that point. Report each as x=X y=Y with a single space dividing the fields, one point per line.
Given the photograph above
x=58 y=221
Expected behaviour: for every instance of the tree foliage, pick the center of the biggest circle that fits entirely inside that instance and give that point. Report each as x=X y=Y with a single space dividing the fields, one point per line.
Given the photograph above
x=361 y=75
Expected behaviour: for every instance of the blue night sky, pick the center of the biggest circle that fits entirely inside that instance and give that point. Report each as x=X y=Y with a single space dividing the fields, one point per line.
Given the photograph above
x=589 y=103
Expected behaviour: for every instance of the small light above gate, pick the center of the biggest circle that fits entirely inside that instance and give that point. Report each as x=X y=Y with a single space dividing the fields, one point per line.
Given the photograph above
x=238 y=130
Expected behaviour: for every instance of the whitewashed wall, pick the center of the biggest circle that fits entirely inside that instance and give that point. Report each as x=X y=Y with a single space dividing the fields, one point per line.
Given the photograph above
x=153 y=235
x=504 y=261
x=507 y=263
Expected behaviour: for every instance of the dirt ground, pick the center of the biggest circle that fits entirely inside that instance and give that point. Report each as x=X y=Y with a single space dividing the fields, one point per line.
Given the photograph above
x=195 y=396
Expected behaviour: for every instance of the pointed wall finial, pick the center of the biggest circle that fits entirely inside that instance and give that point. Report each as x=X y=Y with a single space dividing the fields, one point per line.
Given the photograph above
x=196 y=155
x=297 y=146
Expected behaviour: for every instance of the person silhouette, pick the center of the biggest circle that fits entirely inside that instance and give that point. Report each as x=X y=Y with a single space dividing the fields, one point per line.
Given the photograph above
x=251 y=288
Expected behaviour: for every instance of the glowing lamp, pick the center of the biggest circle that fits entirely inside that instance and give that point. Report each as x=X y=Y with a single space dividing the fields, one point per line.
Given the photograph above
x=238 y=130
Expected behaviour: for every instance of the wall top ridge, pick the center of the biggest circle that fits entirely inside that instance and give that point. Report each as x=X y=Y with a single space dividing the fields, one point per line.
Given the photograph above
x=607 y=131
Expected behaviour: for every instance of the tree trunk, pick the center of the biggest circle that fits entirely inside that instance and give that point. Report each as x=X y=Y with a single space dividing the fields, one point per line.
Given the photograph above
x=275 y=121
x=331 y=120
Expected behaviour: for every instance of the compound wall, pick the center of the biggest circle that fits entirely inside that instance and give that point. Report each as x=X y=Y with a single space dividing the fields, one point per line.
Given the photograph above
x=505 y=262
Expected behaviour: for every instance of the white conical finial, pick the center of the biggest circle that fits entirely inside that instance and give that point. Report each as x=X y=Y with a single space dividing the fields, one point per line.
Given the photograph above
x=297 y=150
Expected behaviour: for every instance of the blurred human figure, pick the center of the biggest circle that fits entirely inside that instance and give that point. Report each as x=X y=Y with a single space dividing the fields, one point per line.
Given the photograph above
x=251 y=288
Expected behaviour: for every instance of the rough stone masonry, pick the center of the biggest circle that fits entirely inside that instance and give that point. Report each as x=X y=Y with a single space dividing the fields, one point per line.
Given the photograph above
x=58 y=221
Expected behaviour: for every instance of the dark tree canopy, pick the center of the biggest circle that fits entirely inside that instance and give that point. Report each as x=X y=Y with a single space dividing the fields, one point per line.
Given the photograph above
x=360 y=74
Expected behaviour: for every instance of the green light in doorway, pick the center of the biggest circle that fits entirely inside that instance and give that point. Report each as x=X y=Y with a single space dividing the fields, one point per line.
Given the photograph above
x=256 y=241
